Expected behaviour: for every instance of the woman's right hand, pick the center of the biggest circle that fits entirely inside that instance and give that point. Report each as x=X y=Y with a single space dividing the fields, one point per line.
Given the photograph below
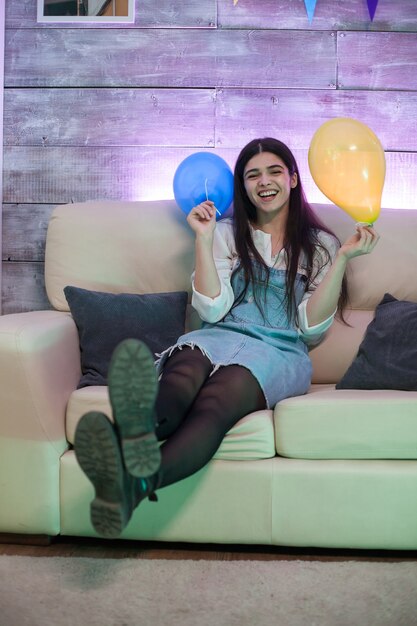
x=202 y=218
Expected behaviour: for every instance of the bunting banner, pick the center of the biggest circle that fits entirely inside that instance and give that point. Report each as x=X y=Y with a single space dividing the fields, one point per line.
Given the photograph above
x=372 y=4
x=310 y=8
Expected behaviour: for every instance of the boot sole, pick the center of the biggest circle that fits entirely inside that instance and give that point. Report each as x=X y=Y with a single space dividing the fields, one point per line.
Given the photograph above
x=98 y=453
x=133 y=387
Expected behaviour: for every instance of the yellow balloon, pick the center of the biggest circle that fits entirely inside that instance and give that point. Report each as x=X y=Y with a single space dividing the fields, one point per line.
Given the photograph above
x=347 y=163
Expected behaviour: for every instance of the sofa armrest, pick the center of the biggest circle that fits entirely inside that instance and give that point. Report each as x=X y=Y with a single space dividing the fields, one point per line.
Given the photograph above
x=39 y=368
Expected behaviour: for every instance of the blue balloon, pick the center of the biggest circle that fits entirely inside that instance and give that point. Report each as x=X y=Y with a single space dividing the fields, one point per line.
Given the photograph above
x=203 y=176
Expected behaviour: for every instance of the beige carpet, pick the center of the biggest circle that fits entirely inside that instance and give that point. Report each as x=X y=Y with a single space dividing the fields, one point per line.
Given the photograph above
x=58 y=591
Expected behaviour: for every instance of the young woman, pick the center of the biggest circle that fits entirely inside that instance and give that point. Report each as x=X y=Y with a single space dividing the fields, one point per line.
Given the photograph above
x=267 y=284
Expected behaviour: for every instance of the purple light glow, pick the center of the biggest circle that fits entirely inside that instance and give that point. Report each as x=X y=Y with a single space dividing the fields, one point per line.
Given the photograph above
x=155 y=181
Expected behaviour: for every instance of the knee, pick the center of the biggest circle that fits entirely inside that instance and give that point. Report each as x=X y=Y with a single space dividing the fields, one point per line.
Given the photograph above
x=181 y=380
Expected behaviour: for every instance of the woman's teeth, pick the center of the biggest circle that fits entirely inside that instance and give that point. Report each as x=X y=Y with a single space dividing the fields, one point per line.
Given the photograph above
x=265 y=194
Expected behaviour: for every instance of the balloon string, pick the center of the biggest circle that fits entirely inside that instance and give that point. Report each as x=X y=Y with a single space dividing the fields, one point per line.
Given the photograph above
x=205 y=185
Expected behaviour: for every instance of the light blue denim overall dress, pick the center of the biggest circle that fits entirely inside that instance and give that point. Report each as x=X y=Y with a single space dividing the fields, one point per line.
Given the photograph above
x=269 y=346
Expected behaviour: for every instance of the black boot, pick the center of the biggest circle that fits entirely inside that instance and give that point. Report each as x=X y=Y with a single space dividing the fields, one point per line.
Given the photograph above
x=133 y=387
x=118 y=493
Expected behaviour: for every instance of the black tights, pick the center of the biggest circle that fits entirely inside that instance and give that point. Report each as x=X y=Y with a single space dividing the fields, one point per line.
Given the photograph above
x=195 y=410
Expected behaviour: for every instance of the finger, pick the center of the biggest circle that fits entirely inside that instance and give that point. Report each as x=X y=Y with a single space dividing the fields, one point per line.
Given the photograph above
x=373 y=243
x=371 y=234
x=374 y=236
x=208 y=205
x=212 y=213
x=364 y=240
x=369 y=241
x=201 y=212
x=363 y=236
x=211 y=209
x=206 y=208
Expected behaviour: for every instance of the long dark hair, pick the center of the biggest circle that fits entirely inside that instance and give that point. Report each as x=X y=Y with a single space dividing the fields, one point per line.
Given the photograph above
x=301 y=233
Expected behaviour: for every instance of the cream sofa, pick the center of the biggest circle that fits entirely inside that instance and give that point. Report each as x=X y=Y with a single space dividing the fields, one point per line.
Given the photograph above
x=332 y=468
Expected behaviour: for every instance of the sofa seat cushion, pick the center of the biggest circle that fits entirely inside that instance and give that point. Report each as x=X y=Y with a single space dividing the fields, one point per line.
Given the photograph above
x=252 y=438
x=347 y=424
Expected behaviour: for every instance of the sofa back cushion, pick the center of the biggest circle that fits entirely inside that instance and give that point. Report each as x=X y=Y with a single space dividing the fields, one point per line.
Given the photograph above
x=147 y=247
x=118 y=247
x=392 y=265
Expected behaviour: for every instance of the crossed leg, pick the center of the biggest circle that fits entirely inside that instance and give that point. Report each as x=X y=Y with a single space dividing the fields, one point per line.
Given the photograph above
x=195 y=411
x=199 y=410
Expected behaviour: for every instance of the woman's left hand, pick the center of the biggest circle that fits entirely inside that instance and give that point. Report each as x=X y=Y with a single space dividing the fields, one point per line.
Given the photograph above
x=362 y=242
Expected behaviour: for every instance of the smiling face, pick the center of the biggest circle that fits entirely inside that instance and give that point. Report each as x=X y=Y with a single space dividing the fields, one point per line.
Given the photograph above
x=268 y=184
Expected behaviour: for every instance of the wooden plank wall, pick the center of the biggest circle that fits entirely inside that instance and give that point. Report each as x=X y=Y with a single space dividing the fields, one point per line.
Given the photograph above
x=110 y=111
x=2 y=27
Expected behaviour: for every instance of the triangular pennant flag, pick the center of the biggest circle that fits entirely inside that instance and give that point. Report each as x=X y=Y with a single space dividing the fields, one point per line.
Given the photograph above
x=310 y=8
x=372 y=4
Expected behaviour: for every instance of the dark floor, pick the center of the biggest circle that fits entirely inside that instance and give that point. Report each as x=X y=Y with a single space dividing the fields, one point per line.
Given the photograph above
x=119 y=549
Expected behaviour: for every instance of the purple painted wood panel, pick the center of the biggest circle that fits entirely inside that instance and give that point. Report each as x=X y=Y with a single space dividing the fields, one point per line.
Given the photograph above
x=269 y=14
x=56 y=175
x=65 y=174
x=148 y=14
x=139 y=100
x=187 y=117
x=24 y=288
x=170 y=58
x=104 y=117
x=398 y=15
x=294 y=115
x=377 y=60
x=24 y=226
x=23 y=283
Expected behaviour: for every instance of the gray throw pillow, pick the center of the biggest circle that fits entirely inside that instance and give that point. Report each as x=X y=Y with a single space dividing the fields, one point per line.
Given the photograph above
x=387 y=356
x=103 y=320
